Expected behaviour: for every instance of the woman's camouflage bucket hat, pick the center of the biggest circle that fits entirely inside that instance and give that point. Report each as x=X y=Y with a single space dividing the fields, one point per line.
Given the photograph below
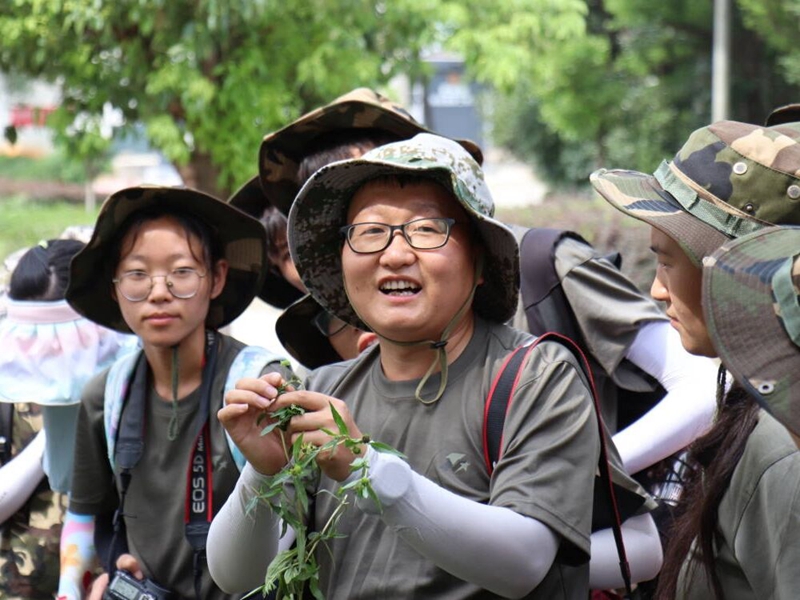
x=276 y=291
x=728 y=180
x=282 y=151
x=320 y=210
x=241 y=238
x=751 y=300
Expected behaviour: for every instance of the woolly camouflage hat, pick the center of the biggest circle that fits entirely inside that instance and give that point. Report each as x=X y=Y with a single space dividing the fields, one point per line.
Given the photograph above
x=276 y=291
x=320 y=210
x=751 y=299
x=282 y=151
x=241 y=238
x=728 y=180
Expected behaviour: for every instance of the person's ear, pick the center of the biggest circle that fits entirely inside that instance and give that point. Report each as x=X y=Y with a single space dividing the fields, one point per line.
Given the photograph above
x=220 y=274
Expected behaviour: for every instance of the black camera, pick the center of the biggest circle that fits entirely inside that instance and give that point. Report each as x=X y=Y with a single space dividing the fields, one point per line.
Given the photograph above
x=124 y=586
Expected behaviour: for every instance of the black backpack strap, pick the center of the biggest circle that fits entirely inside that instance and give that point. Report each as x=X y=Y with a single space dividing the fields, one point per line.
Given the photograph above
x=6 y=431
x=498 y=402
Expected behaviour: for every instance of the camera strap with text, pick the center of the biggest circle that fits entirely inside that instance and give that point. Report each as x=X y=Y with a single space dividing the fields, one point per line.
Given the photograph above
x=199 y=489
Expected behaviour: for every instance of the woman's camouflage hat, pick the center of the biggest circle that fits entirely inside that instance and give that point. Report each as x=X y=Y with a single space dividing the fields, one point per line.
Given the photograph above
x=751 y=300
x=276 y=291
x=282 y=151
x=320 y=210
x=241 y=238
x=728 y=180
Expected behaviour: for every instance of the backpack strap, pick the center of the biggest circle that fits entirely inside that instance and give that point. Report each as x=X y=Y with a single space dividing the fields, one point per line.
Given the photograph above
x=6 y=431
x=499 y=401
x=116 y=390
x=249 y=362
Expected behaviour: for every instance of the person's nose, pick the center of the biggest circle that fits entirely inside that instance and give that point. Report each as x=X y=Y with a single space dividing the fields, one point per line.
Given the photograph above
x=159 y=288
x=658 y=290
x=398 y=252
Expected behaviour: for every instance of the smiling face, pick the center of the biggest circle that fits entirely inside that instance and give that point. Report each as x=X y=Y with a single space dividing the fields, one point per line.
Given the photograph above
x=678 y=283
x=158 y=247
x=403 y=293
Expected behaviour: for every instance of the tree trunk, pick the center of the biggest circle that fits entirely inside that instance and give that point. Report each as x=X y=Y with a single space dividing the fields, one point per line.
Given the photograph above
x=201 y=174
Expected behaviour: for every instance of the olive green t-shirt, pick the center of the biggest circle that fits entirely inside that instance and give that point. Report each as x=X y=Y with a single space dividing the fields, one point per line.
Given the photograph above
x=155 y=504
x=546 y=470
x=758 y=547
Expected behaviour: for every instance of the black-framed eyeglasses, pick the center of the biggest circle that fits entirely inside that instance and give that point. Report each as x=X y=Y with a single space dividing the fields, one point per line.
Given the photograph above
x=327 y=324
x=136 y=286
x=421 y=234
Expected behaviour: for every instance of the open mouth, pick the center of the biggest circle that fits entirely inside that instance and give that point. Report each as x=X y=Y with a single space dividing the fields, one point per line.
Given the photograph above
x=399 y=288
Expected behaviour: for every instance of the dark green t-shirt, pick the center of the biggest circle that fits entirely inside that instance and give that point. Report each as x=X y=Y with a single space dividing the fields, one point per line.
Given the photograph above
x=155 y=504
x=546 y=470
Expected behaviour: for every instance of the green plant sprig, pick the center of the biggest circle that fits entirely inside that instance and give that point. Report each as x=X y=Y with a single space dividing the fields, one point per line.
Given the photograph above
x=294 y=570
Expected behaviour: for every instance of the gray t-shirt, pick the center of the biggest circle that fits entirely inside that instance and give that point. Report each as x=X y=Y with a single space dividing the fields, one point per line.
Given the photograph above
x=758 y=546
x=155 y=504
x=546 y=471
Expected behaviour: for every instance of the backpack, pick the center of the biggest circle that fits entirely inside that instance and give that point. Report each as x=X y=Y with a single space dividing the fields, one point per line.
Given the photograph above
x=547 y=309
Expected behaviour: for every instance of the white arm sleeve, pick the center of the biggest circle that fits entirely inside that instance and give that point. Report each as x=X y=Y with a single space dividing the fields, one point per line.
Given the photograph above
x=642 y=548
x=498 y=549
x=684 y=413
x=20 y=476
x=241 y=544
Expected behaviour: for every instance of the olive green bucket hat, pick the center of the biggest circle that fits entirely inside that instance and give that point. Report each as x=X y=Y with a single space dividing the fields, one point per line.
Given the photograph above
x=751 y=300
x=728 y=180
x=241 y=238
x=276 y=291
x=282 y=151
x=320 y=210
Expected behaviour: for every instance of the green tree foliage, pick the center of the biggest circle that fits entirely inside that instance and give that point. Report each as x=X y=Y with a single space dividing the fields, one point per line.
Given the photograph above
x=208 y=78
x=626 y=84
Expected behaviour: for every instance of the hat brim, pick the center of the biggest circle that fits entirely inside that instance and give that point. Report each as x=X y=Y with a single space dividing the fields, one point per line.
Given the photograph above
x=251 y=199
x=641 y=196
x=743 y=324
x=241 y=237
x=298 y=334
x=320 y=210
x=282 y=151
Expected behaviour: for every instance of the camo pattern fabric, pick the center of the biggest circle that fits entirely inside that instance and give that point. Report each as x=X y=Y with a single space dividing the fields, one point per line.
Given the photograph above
x=320 y=211
x=241 y=237
x=751 y=289
x=282 y=151
x=728 y=180
x=29 y=540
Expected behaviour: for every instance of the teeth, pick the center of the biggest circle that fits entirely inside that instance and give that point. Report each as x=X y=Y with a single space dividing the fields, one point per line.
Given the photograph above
x=398 y=285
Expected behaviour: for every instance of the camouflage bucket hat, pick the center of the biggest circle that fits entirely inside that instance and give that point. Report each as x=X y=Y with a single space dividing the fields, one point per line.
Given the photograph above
x=282 y=151
x=728 y=180
x=751 y=300
x=320 y=210
x=301 y=338
x=251 y=199
x=241 y=238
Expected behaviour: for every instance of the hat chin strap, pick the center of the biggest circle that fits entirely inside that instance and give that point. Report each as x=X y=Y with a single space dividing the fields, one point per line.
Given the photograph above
x=439 y=346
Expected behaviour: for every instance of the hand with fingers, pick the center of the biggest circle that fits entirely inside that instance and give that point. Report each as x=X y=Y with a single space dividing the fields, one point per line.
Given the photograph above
x=321 y=421
x=243 y=419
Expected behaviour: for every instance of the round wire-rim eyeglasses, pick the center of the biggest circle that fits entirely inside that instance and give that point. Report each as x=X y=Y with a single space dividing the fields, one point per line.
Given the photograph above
x=178 y=282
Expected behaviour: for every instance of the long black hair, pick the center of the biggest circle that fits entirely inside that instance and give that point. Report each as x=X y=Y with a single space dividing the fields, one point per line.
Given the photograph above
x=712 y=460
